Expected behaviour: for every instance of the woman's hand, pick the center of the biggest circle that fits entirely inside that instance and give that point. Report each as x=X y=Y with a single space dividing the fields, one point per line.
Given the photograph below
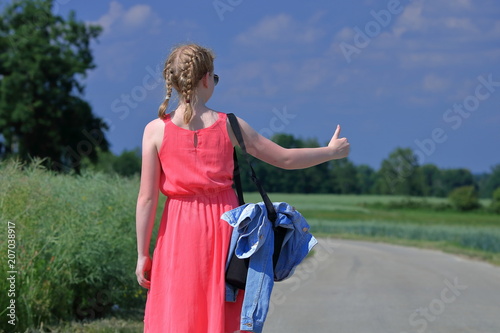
x=143 y=271
x=341 y=146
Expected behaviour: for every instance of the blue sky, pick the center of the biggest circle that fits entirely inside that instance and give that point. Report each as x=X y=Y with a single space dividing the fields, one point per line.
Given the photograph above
x=418 y=74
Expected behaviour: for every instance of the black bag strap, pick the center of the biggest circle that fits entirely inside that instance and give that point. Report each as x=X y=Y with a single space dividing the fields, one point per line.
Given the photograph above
x=237 y=180
x=279 y=233
x=271 y=212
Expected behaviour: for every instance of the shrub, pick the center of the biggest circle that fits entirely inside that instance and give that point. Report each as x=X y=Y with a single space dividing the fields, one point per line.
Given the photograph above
x=464 y=198
x=495 y=202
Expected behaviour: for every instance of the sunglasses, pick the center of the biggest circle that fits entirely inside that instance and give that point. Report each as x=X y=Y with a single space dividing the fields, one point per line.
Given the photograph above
x=216 y=79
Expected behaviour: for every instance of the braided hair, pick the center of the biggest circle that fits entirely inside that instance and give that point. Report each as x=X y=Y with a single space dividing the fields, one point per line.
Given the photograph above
x=184 y=68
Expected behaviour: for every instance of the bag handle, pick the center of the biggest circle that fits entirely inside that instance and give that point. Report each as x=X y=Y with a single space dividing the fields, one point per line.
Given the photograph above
x=271 y=212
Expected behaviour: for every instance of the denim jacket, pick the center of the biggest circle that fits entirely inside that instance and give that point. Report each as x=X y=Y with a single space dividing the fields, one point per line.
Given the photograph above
x=253 y=237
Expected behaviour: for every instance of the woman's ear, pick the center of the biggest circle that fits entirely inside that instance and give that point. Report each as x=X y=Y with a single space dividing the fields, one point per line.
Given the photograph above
x=204 y=80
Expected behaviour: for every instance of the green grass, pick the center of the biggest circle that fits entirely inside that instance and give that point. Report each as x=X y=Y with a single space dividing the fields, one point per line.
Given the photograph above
x=475 y=234
x=108 y=325
x=75 y=238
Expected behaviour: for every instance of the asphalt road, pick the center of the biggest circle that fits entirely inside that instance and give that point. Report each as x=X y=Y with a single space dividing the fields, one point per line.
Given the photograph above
x=362 y=287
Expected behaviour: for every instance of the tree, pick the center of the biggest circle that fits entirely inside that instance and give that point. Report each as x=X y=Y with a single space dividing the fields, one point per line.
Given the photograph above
x=432 y=184
x=490 y=182
x=43 y=57
x=128 y=163
x=454 y=178
x=464 y=198
x=366 y=179
x=310 y=180
x=399 y=174
x=495 y=202
x=313 y=179
x=344 y=177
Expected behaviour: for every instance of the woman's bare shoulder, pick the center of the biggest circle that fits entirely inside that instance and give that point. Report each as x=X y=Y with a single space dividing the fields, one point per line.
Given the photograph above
x=153 y=133
x=155 y=125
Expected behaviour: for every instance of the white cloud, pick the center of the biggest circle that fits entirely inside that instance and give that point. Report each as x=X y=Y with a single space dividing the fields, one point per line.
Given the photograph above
x=435 y=34
x=410 y=20
x=279 y=28
x=137 y=15
x=463 y=3
x=436 y=19
x=114 y=13
x=424 y=59
x=344 y=34
x=312 y=73
x=434 y=83
x=269 y=29
x=124 y=31
x=463 y=24
x=276 y=43
x=120 y=19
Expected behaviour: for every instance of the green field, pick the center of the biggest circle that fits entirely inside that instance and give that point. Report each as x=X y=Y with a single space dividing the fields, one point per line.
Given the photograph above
x=75 y=241
x=387 y=218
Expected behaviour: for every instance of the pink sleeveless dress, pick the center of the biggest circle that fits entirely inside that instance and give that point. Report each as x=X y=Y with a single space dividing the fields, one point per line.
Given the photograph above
x=187 y=277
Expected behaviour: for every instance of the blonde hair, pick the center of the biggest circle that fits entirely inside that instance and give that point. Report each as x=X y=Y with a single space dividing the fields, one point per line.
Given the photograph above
x=184 y=68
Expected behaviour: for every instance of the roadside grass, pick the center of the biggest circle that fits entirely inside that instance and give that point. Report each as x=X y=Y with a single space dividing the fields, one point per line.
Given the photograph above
x=106 y=325
x=74 y=245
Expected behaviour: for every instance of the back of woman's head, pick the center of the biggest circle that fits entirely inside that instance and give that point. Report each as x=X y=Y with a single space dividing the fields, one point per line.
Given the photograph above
x=184 y=68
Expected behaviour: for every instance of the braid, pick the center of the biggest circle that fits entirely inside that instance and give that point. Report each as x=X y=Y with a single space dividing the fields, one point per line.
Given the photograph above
x=167 y=75
x=187 y=92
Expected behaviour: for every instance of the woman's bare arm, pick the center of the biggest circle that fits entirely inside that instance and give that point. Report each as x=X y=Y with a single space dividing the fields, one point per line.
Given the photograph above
x=291 y=158
x=147 y=201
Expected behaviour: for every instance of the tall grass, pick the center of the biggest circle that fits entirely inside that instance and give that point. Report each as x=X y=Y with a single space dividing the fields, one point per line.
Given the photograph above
x=75 y=238
x=485 y=239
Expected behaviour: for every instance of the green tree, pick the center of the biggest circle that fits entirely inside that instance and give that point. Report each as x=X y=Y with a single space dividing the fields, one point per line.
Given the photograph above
x=432 y=184
x=490 y=183
x=455 y=178
x=313 y=179
x=495 y=202
x=344 y=177
x=128 y=163
x=399 y=174
x=464 y=198
x=43 y=58
x=366 y=179
x=276 y=179
x=310 y=180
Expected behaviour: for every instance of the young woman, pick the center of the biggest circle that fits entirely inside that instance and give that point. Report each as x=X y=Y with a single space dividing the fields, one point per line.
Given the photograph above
x=188 y=156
